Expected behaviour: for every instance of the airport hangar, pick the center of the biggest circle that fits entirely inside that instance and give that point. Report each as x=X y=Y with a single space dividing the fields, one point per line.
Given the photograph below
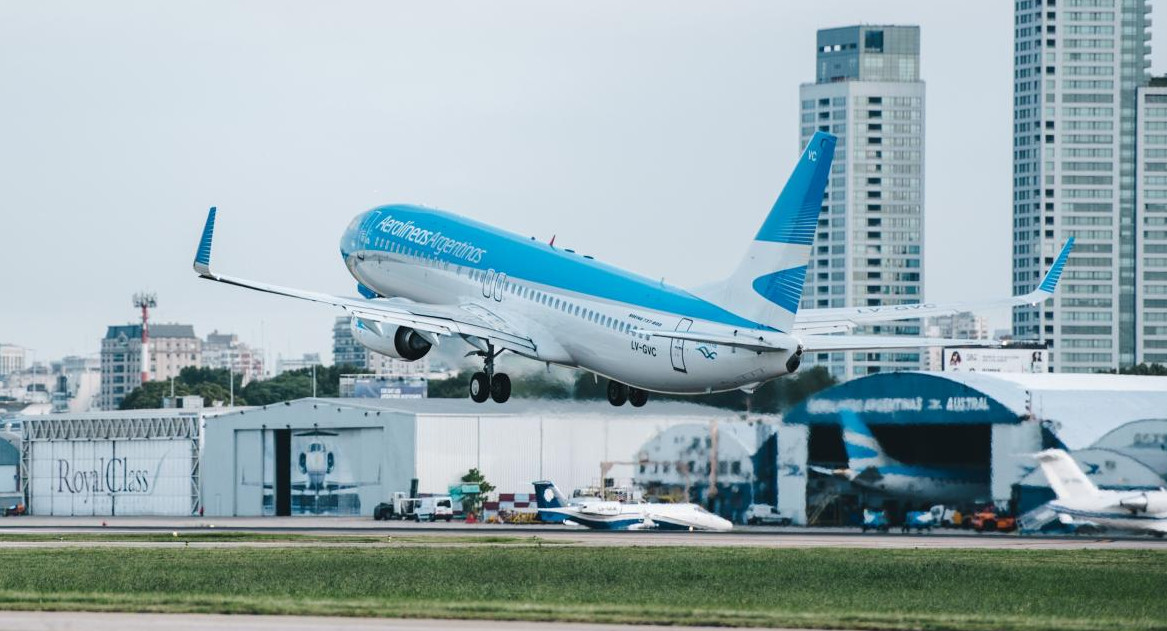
x=344 y=456
x=993 y=421
x=370 y=448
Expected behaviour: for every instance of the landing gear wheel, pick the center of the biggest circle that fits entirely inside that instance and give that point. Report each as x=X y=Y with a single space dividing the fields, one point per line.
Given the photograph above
x=500 y=388
x=637 y=397
x=617 y=393
x=479 y=387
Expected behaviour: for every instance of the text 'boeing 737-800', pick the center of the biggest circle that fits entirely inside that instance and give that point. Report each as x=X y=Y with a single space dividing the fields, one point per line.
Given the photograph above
x=426 y=275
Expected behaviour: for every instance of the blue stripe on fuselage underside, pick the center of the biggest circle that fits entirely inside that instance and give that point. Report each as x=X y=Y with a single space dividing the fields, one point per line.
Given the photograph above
x=601 y=524
x=528 y=260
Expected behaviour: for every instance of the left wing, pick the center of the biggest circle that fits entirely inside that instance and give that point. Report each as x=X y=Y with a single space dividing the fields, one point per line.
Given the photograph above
x=425 y=318
x=846 y=318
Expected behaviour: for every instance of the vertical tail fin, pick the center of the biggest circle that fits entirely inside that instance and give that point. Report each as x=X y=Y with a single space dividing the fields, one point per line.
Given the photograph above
x=547 y=495
x=1065 y=476
x=767 y=285
x=863 y=451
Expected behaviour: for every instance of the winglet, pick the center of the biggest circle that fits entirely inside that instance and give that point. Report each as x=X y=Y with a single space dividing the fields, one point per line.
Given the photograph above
x=202 y=261
x=1050 y=282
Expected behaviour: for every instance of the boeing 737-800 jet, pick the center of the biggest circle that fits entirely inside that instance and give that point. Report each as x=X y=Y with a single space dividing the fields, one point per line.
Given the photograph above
x=425 y=275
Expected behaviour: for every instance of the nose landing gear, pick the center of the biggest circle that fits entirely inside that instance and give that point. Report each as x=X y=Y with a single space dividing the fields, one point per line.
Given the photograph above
x=489 y=384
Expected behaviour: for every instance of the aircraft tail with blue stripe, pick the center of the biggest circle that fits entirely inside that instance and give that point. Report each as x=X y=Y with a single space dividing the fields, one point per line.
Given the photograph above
x=547 y=495
x=767 y=285
x=863 y=451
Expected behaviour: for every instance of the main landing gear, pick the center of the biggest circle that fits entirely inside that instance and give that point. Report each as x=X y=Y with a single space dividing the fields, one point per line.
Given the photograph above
x=619 y=394
x=489 y=384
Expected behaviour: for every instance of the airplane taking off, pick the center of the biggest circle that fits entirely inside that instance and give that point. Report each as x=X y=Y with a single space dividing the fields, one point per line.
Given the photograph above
x=425 y=274
x=870 y=467
x=600 y=514
x=1079 y=500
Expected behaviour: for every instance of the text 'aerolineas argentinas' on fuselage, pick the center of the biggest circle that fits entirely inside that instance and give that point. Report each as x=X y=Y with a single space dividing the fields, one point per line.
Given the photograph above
x=430 y=239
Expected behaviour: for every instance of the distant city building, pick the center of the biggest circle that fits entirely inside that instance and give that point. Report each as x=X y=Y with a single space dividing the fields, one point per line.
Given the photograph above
x=1151 y=225
x=307 y=360
x=347 y=351
x=962 y=326
x=172 y=347
x=224 y=351
x=869 y=244
x=11 y=359
x=1080 y=71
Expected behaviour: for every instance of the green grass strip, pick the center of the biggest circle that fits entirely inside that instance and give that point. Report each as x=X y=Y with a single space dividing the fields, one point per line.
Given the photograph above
x=823 y=587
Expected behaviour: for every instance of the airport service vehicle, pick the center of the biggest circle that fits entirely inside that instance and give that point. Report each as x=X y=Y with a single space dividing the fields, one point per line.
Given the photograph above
x=415 y=508
x=869 y=467
x=425 y=275
x=919 y=520
x=987 y=519
x=1080 y=502
x=601 y=514
x=765 y=514
x=875 y=520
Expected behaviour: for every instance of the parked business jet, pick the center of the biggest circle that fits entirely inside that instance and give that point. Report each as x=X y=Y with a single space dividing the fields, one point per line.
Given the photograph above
x=601 y=514
x=870 y=467
x=425 y=275
x=1080 y=501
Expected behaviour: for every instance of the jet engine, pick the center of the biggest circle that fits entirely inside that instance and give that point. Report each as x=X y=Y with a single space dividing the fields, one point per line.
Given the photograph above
x=1152 y=502
x=400 y=342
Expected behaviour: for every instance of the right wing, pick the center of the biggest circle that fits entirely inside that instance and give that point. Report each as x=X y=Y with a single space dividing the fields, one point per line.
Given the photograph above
x=468 y=321
x=844 y=319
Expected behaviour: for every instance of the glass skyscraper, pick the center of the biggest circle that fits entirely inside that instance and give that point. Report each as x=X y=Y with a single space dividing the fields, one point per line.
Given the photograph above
x=1078 y=69
x=869 y=244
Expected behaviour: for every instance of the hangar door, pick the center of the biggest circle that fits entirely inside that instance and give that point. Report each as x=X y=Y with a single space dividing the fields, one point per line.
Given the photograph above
x=308 y=471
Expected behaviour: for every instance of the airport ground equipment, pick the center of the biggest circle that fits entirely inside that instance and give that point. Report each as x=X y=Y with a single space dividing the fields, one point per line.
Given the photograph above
x=765 y=515
x=988 y=519
x=416 y=508
x=919 y=520
x=875 y=520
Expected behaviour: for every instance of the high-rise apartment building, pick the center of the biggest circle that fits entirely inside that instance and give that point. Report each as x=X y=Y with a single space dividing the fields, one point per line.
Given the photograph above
x=172 y=347
x=1078 y=67
x=870 y=239
x=1151 y=225
x=224 y=351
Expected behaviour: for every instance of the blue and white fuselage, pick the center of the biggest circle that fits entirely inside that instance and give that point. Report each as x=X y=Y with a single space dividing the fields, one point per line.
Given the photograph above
x=541 y=292
x=599 y=514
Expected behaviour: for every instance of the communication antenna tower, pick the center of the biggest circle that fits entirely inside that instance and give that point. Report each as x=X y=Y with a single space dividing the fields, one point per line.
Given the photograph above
x=145 y=300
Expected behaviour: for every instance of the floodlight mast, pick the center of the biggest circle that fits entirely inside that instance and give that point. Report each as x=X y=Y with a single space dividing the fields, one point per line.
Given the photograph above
x=145 y=301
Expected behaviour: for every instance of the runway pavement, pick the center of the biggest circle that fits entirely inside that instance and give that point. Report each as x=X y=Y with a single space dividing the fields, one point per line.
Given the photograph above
x=90 y=621
x=408 y=533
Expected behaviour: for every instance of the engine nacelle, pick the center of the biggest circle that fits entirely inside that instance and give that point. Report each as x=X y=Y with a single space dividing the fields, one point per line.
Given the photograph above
x=1152 y=502
x=395 y=341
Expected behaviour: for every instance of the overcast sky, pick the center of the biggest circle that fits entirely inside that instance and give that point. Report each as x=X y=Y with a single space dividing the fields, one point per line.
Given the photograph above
x=653 y=135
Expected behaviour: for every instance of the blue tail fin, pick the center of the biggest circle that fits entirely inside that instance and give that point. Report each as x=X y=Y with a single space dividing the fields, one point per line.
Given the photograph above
x=547 y=495
x=863 y=450
x=767 y=286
